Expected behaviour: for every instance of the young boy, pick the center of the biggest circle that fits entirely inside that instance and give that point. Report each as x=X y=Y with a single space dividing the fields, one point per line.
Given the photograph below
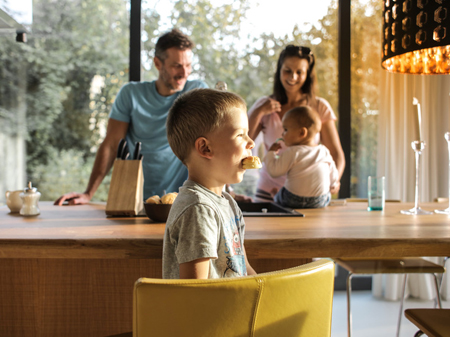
x=310 y=168
x=208 y=131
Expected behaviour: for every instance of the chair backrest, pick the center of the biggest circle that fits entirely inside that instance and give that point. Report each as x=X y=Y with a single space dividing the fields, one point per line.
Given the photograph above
x=291 y=302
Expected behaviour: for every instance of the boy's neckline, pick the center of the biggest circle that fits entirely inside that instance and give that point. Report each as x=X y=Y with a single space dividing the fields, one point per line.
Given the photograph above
x=207 y=188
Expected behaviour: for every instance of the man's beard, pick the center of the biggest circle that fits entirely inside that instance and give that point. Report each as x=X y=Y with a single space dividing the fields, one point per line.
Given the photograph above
x=167 y=80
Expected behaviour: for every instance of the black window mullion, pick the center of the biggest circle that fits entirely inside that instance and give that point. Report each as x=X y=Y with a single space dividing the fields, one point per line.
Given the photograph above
x=344 y=85
x=135 y=40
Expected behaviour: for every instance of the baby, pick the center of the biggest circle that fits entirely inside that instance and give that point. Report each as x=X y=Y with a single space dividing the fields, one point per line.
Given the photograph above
x=310 y=168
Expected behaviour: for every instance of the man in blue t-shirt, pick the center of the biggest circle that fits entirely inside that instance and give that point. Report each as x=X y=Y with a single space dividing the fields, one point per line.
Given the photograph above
x=139 y=113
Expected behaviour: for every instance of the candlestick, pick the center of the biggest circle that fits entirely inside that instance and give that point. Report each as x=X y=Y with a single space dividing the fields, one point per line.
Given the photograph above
x=417 y=118
x=416 y=210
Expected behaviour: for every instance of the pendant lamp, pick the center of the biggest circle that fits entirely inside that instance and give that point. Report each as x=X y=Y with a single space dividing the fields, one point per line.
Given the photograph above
x=416 y=36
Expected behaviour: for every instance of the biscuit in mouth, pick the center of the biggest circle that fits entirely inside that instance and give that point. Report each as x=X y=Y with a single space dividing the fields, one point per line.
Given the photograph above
x=251 y=162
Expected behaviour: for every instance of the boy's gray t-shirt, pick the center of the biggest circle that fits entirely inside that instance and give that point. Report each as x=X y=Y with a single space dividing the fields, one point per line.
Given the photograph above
x=202 y=224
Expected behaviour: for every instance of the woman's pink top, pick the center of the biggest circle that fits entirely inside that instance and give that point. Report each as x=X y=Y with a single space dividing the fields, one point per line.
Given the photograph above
x=272 y=129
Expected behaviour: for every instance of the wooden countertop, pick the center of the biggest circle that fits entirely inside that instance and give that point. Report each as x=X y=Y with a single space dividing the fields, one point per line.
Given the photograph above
x=85 y=232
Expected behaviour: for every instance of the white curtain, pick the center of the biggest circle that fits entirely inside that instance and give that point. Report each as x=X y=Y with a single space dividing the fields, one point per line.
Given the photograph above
x=397 y=131
x=397 y=163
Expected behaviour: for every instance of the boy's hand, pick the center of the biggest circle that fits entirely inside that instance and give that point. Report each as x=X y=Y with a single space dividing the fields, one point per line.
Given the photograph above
x=275 y=147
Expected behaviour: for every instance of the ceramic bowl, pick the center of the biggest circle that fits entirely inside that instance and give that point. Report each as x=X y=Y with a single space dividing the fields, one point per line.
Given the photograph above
x=157 y=212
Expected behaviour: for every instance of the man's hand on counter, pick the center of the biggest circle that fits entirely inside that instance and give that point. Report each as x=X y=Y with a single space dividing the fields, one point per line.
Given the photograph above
x=73 y=198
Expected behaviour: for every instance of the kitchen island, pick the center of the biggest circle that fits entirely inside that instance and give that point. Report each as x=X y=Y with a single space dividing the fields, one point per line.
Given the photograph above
x=70 y=271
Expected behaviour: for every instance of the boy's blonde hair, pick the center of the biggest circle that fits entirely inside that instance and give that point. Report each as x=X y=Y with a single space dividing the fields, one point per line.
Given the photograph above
x=306 y=117
x=195 y=114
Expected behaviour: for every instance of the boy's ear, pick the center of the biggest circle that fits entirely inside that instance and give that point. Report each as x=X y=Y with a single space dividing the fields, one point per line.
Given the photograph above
x=202 y=147
x=303 y=132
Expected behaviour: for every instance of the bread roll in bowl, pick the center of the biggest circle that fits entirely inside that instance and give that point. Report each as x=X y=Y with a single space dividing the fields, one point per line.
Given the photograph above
x=251 y=162
x=154 y=199
x=169 y=198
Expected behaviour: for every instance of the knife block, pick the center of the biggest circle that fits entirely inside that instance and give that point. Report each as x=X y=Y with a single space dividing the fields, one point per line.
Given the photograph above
x=126 y=194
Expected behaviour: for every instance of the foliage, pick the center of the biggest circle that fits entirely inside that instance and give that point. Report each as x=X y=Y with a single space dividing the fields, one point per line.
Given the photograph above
x=12 y=85
x=365 y=70
x=66 y=170
x=62 y=62
x=322 y=39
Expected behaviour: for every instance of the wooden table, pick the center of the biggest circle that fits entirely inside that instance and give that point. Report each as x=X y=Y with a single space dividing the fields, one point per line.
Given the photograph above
x=70 y=271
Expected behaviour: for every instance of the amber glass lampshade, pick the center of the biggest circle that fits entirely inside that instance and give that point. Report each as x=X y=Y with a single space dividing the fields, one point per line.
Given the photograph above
x=416 y=36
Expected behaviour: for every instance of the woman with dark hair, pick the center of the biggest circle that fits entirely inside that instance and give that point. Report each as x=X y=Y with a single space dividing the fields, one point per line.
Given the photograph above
x=294 y=85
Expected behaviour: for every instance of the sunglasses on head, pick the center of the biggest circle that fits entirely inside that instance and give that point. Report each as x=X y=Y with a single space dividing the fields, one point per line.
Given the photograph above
x=302 y=51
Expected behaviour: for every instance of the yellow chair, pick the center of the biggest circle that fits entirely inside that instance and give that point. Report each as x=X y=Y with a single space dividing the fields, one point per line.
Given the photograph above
x=291 y=302
x=432 y=322
x=369 y=266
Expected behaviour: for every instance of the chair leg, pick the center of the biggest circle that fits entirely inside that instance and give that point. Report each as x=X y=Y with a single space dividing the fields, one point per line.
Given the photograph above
x=399 y=323
x=438 y=293
x=349 y=312
x=418 y=333
x=441 y=280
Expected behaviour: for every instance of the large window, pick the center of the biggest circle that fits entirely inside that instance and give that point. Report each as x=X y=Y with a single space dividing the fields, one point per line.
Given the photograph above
x=12 y=99
x=57 y=89
x=365 y=78
x=65 y=78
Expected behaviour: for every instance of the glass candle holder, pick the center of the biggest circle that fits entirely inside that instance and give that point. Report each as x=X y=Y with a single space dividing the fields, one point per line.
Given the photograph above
x=418 y=147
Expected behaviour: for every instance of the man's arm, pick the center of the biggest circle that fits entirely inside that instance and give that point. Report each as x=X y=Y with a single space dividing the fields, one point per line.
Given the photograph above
x=197 y=269
x=104 y=160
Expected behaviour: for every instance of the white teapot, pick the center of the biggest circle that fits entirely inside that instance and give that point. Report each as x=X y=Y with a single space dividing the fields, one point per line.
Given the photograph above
x=13 y=200
x=30 y=197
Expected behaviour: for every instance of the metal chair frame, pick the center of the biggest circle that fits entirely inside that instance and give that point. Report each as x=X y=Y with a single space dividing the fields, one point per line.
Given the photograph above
x=405 y=278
